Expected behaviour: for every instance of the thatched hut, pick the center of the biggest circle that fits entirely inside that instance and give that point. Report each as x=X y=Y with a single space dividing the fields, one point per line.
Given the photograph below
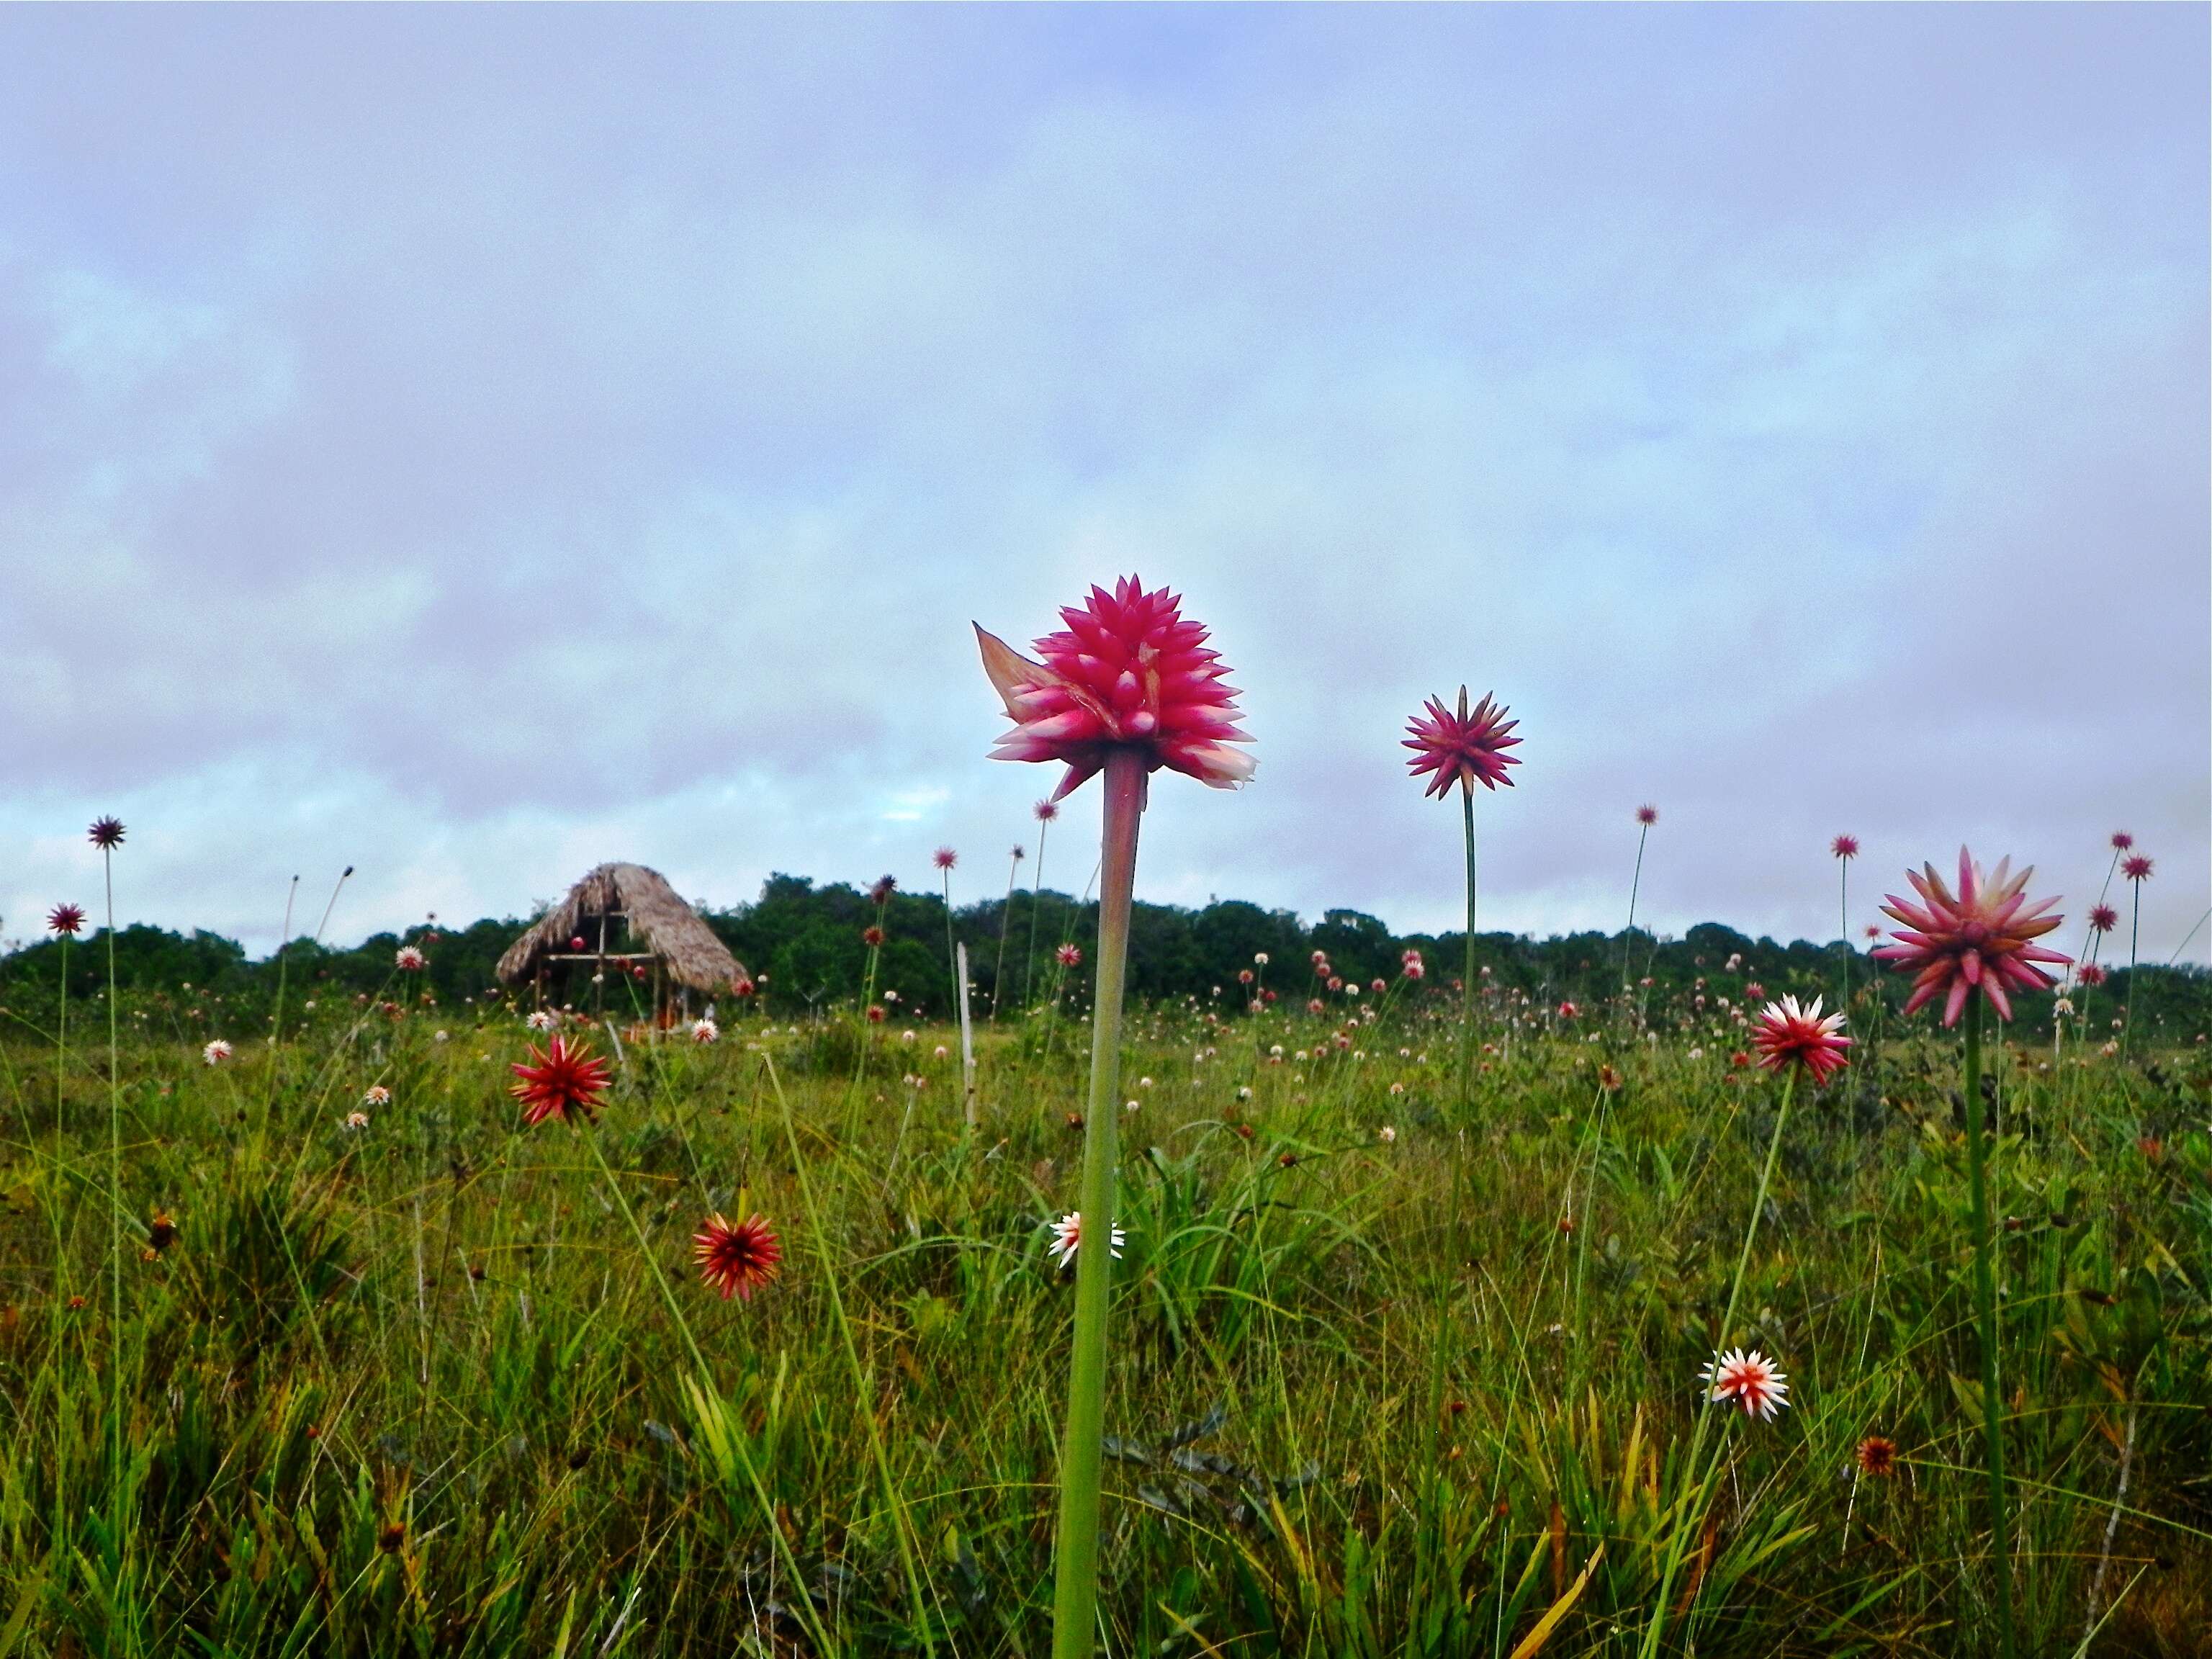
x=628 y=916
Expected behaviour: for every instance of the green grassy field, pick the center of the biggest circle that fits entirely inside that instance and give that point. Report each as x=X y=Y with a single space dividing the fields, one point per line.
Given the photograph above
x=1391 y=1374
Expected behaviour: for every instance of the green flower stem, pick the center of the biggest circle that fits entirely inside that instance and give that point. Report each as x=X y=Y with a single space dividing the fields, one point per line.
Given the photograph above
x=2128 y=1014
x=951 y=955
x=1985 y=1308
x=777 y=1541
x=1036 y=901
x=1075 y=1588
x=1844 y=901
x=1702 y=1481
x=121 y=1527
x=1635 y=885
x=1467 y=980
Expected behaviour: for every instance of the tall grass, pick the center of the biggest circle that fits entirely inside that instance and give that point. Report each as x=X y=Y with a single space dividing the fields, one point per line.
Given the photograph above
x=436 y=1387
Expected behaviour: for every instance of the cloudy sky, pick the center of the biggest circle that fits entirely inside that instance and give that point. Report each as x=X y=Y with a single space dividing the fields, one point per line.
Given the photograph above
x=469 y=444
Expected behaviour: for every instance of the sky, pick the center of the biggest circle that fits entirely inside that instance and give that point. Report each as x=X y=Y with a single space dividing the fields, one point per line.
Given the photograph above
x=469 y=444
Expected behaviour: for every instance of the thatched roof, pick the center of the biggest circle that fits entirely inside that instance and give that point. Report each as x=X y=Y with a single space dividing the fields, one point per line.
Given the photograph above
x=670 y=927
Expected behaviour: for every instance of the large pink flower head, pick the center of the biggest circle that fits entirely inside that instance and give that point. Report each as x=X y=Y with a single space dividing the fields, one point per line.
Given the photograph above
x=2136 y=868
x=1785 y=1034
x=945 y=858
x=1128 y=671
x=1983 y=938
x=1466 y=747
x=1844 y=846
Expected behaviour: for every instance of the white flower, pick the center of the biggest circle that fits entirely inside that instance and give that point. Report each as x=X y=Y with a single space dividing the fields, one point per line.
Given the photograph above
x=543 y=1020
x=940 y=1051
x=1243 y=1093
x=1067 y=1237
x=356 y=1121
x=438 y=1036
x=1260 y=957
x=705 y=1030
x=1749 y=1380
x=906 y=1037
x=216 y=1052
x=408 y=960
x=1697 y=1053
x=378 y=1095
x=1386 y=1134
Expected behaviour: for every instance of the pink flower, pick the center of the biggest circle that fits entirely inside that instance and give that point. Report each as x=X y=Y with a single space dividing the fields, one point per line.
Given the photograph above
x=2121 y=841
x=1786 y=1034
x=2103 y=918
x=1983 y=938
x=2091 y=974
x=105 y=834
x=408 y=960
x=1070 y=956
x=1844 y=846
x=1046 y=811
x=1466 y=748
x=65 y=920
x=945 y=858
x=2136 y=868
x=216 y=1052
x=1647 y=815
x=1749 y=1380
x=567 y=1078
x=737 y=1259
x=1127 y=671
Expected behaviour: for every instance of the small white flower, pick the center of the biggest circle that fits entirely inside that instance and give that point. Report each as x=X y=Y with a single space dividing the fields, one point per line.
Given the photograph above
x=1386 y=1134
x=356 y=1121
x=543 y=1020
x=378 y=1095
x=1260 y=957
x=438 y=1036
x=705 y=1030
x=215 y=1053
x=940 y=1051
x=408 y=960
x=1243 y=1092
x=1067 y=1237
x=1749 y=1380
x=906 y=1037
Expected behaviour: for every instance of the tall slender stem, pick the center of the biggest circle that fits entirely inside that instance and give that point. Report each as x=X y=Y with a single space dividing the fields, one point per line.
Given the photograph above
x=1467 y=980
x=1075 y=1590
x=1006 y=916
x=951 y=956
x=120 y=1529
x=1700 y=1479
x=1037 y=897
x=2128 y=1014
x=1985 y=1308
x=1843 y=904
x=1635 y=882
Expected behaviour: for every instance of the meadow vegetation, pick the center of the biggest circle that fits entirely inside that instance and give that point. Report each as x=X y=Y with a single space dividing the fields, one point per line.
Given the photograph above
x=1392 y=1374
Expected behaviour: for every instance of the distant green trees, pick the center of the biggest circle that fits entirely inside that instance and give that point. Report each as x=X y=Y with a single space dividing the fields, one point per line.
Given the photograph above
x=805 y=942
